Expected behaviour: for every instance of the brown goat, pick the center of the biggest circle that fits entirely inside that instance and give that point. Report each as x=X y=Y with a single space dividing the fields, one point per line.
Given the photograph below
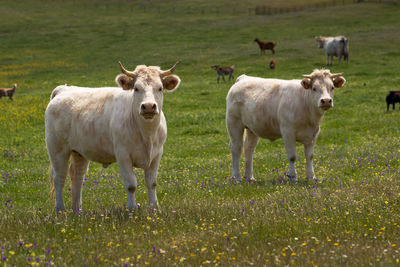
x=8 y=92
x=265 y=46
x=222 y=71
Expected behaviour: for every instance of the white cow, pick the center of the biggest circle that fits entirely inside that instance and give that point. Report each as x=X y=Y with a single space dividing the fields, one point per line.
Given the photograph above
x=109 y=125
x=271 y=109
x=334 y=46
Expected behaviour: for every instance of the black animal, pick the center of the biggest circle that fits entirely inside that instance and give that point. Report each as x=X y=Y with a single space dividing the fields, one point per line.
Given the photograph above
x=222 y=71
x=392 y=98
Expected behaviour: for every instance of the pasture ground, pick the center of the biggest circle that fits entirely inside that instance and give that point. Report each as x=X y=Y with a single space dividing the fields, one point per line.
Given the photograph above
x=350 y=215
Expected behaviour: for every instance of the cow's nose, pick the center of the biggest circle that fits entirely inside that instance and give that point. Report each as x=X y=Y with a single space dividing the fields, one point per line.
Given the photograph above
x=326 y=101
x=149 y=108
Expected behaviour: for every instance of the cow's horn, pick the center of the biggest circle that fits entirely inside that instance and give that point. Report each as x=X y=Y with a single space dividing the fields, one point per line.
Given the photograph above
x=129 y=73
x=307 y=76
x=170 y=71
x=336 y=75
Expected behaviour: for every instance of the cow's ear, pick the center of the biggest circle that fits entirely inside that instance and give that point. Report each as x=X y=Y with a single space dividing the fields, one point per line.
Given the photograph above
x=338 y=82
x=306 y=83
x=171 y=82
x=125 y=82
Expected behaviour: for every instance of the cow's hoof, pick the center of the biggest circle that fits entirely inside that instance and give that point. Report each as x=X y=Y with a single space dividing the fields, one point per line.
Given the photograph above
x=292 y=178
x=251 y=180
x=154 y=208
x=236 y=180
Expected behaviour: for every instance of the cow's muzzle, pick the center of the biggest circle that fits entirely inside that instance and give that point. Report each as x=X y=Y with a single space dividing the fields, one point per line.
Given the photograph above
x=326 y=103
x=148 y=110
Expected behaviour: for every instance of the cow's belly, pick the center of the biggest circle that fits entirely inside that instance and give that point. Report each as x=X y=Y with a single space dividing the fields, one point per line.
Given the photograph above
x=96 y=154
x=265 y=126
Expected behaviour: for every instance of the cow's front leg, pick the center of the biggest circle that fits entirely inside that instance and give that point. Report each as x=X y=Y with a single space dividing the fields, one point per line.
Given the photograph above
x=150 y=176
x=309 y=153
x=290 y=146
x=129 y=179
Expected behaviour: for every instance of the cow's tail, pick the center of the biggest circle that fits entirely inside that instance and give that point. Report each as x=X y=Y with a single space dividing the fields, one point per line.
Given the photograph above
x=346 y=48
x=241 y=77
x=51 y=181
x=57 y=90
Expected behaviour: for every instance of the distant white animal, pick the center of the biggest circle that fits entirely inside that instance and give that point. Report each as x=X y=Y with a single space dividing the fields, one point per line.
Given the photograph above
x=334 y=46
x=272 y=109
x=109 y=125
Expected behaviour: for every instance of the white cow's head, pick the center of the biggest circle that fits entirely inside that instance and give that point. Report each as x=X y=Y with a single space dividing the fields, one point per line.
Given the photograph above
x=322 y=84
x=148 y=84
x=320 y=41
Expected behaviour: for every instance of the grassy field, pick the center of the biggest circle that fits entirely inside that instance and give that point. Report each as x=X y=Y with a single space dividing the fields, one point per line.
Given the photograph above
x=349 y=216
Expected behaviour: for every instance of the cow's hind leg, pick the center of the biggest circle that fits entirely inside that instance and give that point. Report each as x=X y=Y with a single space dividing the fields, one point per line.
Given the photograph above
x=59 y=168
x=250 y=144
x=77 y=170
x=235 y=130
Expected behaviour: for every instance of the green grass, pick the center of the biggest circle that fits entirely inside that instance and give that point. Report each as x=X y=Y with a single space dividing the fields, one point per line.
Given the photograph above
x=349 y=216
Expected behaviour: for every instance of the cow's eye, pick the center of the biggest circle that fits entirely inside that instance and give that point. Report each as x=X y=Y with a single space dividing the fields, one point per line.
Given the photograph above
x=160 y=89
x=314 y=89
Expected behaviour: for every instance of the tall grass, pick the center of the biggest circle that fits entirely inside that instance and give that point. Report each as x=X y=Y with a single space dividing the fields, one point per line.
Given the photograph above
x=348 y=216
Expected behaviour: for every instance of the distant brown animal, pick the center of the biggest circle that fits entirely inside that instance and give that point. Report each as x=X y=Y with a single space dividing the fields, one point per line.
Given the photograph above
x=392 y=98
x=265 y=46
x=272 y=64
x=222 y=71
x=8 y=91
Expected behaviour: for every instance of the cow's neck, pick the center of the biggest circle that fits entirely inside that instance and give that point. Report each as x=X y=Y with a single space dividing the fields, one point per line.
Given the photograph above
x=147 y=129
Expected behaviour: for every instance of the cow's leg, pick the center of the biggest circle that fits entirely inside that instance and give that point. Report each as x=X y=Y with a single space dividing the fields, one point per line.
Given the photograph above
x=218 y=79
x=273 y=51
x=129 y=179
x=309 y=153
x=77 y=170
x=223 y=78
x=235 y=130
x=250 y=144
x=59 y=169
x=150 y=176
x=290 y=146
x=387 y=106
